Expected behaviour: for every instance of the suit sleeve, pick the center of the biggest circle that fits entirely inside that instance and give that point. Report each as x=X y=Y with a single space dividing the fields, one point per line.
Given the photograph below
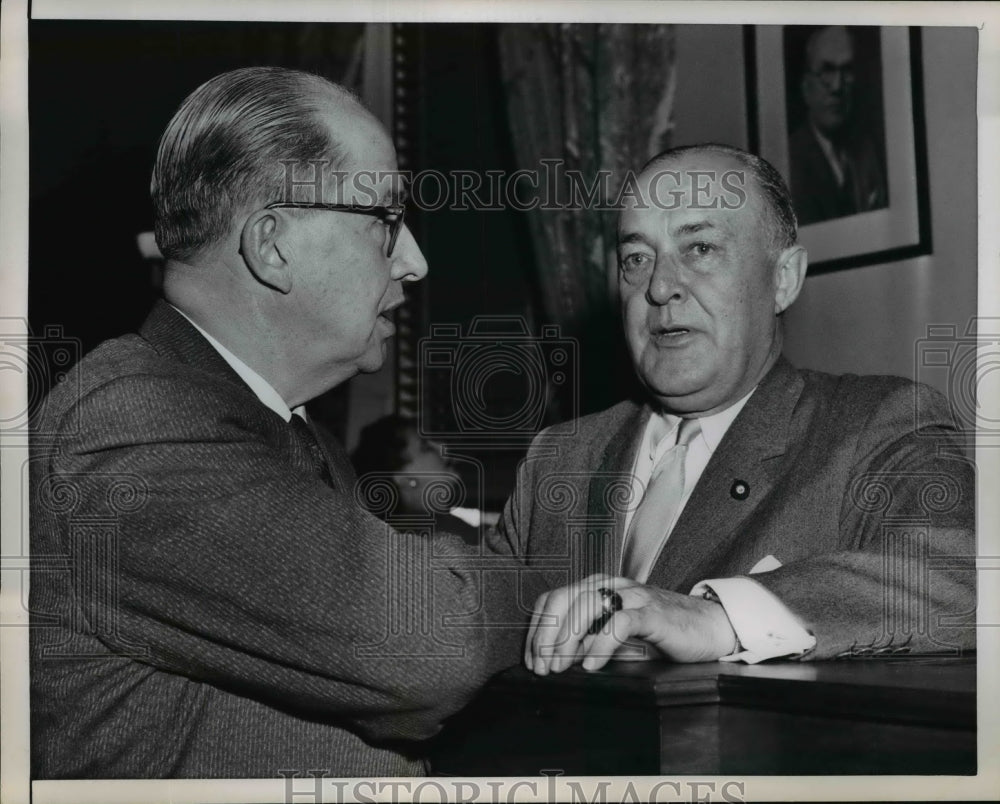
x=515 y=531
x=233 y=569
x=903 y=576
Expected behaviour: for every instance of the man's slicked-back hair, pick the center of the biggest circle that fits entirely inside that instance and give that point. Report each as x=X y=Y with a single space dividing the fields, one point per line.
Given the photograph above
x=224 y=149
x=778 y=210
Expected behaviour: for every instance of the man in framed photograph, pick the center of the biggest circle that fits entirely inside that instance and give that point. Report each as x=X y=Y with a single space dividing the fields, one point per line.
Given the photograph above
x=837 y=167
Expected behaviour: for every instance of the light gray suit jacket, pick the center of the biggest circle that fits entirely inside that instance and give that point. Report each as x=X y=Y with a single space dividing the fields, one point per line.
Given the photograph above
x=856 y=485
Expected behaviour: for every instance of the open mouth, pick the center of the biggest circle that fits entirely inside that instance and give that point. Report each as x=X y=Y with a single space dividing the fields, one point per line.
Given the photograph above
x=672 y=332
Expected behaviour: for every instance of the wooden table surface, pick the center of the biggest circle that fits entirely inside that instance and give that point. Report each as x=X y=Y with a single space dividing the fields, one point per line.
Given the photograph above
x=907 y=715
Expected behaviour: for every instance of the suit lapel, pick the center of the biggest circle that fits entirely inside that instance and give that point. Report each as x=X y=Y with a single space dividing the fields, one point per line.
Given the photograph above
x=170 y=332
x=337 y=460
x=747 y=454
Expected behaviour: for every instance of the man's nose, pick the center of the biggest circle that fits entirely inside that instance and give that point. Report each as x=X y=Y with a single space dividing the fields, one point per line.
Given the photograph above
x=408 y=262
x=666 y=282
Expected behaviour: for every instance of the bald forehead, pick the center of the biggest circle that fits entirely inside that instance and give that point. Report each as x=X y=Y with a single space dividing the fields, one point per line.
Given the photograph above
x=829 y=43
x=693 y=161
x=342 y=111
x=699 y=179
x=366 y=168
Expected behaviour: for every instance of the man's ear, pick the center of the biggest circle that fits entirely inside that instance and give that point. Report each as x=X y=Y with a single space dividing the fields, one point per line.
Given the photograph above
x=261 y=252
x=789 y=274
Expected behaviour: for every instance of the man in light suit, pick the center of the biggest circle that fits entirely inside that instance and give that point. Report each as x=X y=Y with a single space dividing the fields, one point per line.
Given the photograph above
x=800 y=515
x=208 y=599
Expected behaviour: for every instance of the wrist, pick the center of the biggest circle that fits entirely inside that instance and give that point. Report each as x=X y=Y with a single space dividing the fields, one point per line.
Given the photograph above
x=727 y=641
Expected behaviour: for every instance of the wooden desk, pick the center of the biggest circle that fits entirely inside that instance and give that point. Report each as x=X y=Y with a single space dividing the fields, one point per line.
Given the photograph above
x=874 y=716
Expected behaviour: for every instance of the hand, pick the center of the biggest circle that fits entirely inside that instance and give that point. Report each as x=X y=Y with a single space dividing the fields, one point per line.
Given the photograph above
x=683 y=628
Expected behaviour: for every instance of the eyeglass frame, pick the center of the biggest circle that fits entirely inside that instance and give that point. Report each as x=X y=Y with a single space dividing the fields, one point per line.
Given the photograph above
x=847 y=73
x=383 y=213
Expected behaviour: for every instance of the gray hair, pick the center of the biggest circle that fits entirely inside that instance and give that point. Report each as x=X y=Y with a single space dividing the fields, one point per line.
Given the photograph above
x=225 y=146
x=778 y=211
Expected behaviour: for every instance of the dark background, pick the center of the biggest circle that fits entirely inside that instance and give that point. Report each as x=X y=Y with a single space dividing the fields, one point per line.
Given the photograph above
x=101 y=93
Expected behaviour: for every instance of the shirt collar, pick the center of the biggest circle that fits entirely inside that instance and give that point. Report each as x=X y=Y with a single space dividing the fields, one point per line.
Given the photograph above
x=713 y=427
x=262 y=388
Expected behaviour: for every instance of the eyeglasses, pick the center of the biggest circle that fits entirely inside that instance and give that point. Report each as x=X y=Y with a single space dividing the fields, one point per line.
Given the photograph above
x=392 y=216
x=830 y=74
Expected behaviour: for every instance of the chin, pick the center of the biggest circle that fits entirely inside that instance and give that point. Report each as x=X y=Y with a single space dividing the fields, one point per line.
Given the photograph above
x=679 y=372
x=373 y=359
x=370 y=366
x=681 y=391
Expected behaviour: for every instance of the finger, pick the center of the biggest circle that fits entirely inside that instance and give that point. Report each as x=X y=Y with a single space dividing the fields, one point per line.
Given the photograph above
x=586 y=607
x=532 y=627
x=556 y=645
x=603 y=645
x=547 y=619
x=550 y=619
x=611 y=601
x=633 y=593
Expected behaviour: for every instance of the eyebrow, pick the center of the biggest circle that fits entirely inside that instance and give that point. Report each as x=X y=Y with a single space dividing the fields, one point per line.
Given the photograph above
x=631 y=237
x=833 y=62
x=683 y=230
x=693 y=228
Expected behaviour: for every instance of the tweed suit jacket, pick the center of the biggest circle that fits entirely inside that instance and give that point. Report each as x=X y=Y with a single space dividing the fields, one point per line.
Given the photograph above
x=203 y=605
x=855 y=485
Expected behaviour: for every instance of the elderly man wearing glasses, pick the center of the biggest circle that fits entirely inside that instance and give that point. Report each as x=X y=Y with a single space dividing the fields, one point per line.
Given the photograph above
x=239 y=614
x=836 y=169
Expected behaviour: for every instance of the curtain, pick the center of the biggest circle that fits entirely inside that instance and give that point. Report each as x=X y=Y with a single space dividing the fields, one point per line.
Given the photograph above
x=599 y=98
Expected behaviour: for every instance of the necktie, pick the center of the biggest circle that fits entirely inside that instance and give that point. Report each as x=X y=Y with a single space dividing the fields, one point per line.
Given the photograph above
x=658 y=508
x=304 y=432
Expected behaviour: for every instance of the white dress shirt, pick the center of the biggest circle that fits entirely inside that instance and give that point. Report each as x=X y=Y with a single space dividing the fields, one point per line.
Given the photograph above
x=764 y=626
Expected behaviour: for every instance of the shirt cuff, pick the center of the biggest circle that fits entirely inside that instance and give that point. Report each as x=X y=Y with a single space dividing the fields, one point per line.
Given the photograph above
x=764 y=626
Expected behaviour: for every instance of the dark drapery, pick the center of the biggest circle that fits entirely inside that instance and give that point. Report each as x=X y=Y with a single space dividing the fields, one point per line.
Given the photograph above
x=598 y=98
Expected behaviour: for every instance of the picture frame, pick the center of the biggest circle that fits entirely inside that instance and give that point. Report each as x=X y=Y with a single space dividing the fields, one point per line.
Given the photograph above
x=863 y=86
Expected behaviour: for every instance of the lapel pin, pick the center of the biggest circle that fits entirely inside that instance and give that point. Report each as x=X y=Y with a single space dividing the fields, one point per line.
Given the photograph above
x=740 y=490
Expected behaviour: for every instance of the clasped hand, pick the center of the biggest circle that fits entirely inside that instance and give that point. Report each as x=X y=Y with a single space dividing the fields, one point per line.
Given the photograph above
x=679 y=627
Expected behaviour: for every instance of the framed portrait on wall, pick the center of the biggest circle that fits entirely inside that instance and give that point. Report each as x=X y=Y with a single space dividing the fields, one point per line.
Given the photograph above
x=839 y=112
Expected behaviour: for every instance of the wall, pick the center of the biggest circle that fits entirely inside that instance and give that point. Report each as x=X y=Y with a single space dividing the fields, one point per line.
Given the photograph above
x=865 y=320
